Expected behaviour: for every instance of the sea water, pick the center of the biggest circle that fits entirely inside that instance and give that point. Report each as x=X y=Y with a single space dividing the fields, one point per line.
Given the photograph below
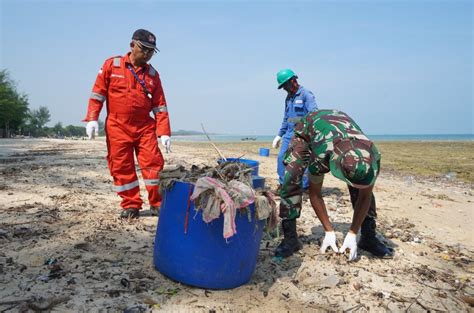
x=266 y=138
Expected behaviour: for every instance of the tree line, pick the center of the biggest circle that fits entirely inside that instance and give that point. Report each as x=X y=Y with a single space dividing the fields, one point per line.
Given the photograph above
x=17 y=119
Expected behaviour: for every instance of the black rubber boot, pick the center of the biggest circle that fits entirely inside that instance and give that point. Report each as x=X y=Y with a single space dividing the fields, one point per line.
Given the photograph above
x=154 y=210
x=130 y=213
x=369 y=242
x=290 y=243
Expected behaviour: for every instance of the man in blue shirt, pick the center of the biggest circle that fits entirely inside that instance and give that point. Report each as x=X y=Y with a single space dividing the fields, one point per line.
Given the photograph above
x=298 y=103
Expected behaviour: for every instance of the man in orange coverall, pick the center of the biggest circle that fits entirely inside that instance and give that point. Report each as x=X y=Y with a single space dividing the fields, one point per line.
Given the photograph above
x=132 y=89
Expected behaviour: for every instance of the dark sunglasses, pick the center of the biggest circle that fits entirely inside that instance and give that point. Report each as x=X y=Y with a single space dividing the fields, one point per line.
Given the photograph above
x=144 y=49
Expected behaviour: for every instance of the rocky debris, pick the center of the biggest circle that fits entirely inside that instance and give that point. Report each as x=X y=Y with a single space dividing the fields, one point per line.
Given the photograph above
x=401 y=229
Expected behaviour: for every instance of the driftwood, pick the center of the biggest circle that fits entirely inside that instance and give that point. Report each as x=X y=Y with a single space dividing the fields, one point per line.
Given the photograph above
x=215 y=147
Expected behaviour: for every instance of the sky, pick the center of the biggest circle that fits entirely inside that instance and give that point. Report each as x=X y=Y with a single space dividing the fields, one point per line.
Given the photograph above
x=396 y=67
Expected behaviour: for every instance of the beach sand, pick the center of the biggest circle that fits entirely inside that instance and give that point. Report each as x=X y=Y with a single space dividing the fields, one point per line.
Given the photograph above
x=57 y=203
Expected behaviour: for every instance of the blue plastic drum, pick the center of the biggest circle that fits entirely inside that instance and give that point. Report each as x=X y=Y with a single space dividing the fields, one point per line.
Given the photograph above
x=258 y=181
x=193 y=252
x=264 y=152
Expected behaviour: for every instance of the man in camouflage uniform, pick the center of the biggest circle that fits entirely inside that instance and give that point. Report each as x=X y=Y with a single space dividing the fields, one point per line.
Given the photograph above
x=330 y=141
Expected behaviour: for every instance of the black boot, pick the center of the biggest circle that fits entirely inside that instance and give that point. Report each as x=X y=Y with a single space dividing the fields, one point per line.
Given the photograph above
x=154 y=210
x=130 y=213
x=290 y=243
x=369 y=242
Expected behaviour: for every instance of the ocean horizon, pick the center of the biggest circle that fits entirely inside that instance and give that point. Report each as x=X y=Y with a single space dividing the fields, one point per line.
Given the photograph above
x=267 y=138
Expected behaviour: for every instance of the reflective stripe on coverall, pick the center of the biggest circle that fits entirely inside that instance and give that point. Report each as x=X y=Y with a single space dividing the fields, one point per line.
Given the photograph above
x=296 y=106
x=129 y=127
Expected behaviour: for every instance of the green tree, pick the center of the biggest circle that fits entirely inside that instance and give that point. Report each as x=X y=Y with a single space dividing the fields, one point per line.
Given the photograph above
x=37 y=120
x=75 y=131
x=43 y=116
x=58 y=130
x=13 y=107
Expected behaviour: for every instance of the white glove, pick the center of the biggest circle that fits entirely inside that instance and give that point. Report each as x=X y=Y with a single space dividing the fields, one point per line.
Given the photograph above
x=166 y=142
x=276 y=142
x=92 y=129
x=350 y=243
x=329 y=241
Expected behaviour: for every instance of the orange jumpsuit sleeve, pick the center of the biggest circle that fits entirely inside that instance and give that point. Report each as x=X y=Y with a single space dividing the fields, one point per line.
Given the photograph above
x=160 y=110
x=99 y=92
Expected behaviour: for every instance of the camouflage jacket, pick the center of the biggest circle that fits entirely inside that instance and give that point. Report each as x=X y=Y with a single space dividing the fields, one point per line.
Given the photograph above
x=312 y=147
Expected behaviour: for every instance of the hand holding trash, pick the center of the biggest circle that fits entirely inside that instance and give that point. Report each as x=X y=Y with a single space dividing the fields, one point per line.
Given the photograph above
x=276 y=142
x=166 y=142
x=329 y=241
x=350 y=243
x=92 y=129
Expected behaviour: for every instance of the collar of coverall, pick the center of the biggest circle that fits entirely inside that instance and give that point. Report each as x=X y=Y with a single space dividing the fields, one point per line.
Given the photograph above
x=297 y=93
x=127 y=60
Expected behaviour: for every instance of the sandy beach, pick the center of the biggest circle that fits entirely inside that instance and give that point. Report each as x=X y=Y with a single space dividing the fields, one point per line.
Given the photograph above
x=57 y=208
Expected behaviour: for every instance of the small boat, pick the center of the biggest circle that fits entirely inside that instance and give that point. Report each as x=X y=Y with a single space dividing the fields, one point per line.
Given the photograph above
x=248 y=138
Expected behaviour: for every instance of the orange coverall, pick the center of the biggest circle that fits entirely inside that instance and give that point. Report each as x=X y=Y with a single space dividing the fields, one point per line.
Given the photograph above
x=130 y=128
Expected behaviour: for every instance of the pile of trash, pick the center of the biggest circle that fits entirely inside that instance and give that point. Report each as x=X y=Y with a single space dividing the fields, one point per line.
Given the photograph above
x=223 y=189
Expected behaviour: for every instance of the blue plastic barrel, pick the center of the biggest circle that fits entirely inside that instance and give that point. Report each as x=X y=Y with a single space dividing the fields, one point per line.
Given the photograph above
x=258 y=181
x=251 y=163
x=264 y=152
x=195 y=253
